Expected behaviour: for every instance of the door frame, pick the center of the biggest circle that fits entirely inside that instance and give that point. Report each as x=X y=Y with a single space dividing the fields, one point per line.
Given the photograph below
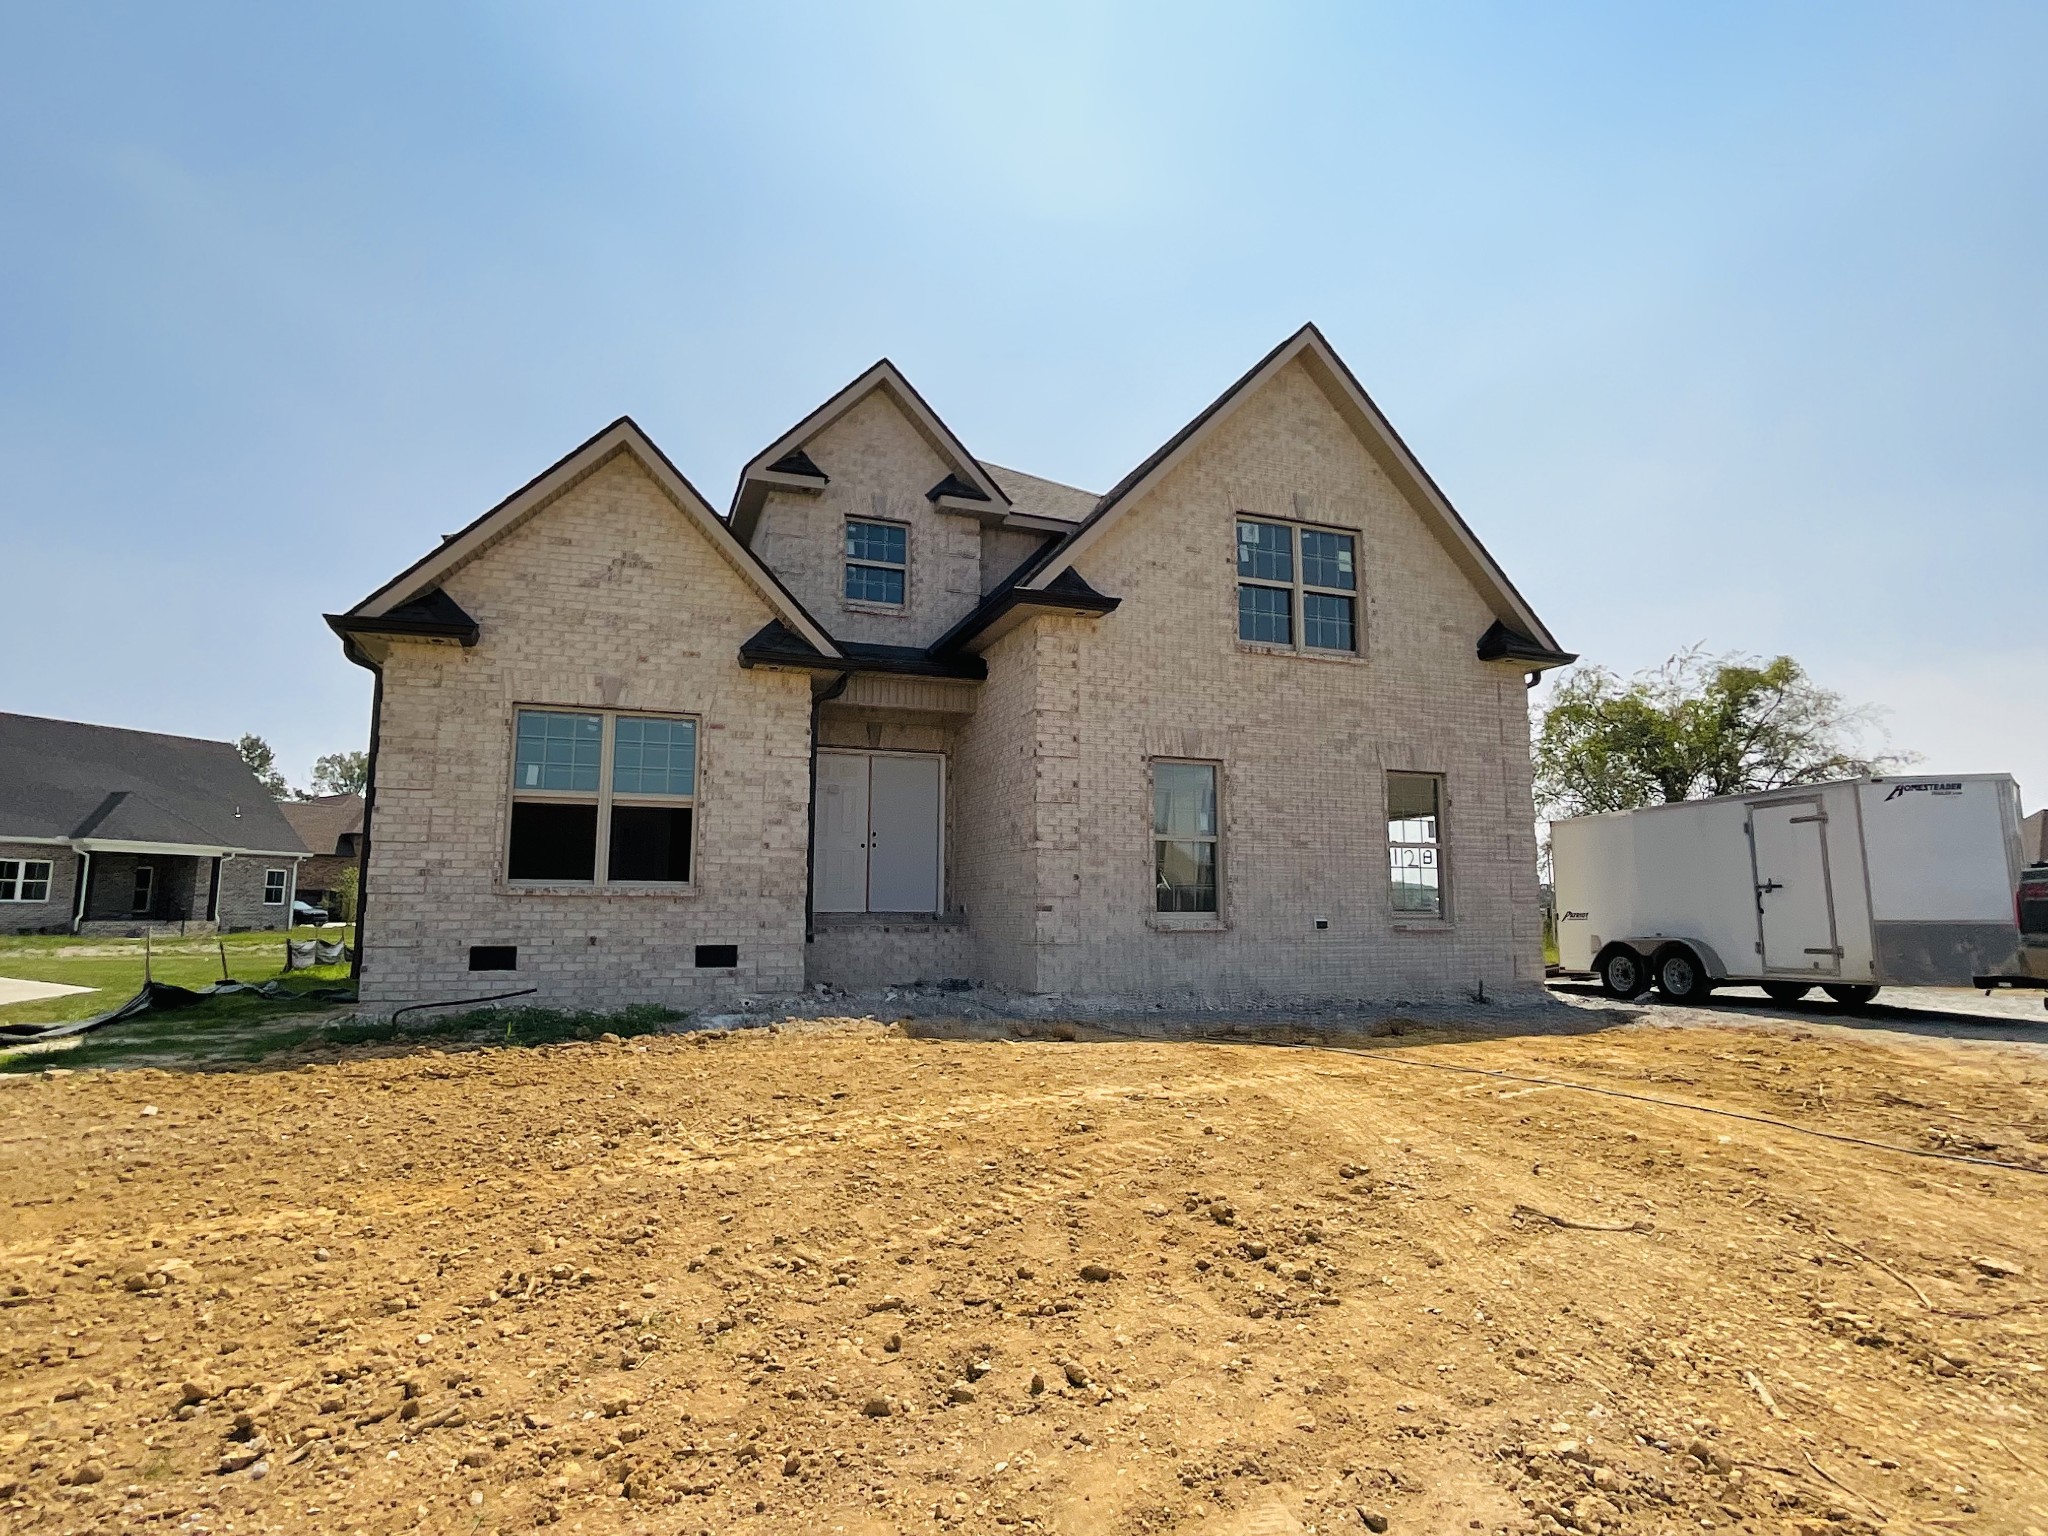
x=1827 y=880
x=944 y=787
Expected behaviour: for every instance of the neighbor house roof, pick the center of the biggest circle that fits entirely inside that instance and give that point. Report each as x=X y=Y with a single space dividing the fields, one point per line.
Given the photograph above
x=98 y=785
x=1529 y=639
x=412 y=603
x=1036 y=496
x=323 y=821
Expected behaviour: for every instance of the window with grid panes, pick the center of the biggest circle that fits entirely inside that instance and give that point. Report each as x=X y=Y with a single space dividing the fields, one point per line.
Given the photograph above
x=1185 y=837
x=602 y=798
x=1296 y=586
x=877 y=562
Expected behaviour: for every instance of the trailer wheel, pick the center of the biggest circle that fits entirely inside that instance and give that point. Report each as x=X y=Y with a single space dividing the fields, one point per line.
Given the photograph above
x=1848 y=994
x=1623 y=974
x=1680 y=975
x=1786 y=991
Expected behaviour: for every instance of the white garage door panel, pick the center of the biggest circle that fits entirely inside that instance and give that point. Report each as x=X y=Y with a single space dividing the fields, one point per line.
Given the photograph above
x=903 y=822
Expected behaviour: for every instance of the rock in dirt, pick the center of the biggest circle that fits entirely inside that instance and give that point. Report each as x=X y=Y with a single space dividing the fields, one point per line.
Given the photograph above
x=1373 y=1520
x=1097 y=1272
x=960 y=1392
x=876 y=1407
x=1076 y=1373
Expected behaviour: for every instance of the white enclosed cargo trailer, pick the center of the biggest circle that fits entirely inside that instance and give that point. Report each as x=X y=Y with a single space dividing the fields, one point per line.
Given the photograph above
x=1851 y=886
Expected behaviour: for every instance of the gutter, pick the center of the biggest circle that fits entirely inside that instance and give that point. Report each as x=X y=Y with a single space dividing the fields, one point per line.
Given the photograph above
x=84 y=884
x=354 y=653
x=818 y=702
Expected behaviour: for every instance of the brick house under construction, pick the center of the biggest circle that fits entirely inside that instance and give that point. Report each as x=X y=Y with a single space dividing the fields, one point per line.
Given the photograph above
x=1251 y=724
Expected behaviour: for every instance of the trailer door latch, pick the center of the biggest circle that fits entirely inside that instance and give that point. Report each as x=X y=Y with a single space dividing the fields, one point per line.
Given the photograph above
x=1767 y=887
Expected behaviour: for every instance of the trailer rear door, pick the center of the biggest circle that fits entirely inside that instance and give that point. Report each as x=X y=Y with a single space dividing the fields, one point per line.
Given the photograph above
x=1794 y=902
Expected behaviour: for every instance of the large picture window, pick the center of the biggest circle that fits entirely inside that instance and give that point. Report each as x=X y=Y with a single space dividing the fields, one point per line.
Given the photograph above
x=1297 y=586
x=1415 y=843
x=877 y=562
x=1185 y=837
x=602 y=798
x=24 y=879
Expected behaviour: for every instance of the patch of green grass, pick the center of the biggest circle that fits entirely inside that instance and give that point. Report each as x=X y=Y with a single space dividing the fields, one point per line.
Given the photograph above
x=232 y=1030
x=506 y=1026
x=113 y=968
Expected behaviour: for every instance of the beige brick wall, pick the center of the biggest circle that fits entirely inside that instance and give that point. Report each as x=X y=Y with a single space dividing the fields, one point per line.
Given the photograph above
x=1304 y=744
x=607 y=596
x=879 y=466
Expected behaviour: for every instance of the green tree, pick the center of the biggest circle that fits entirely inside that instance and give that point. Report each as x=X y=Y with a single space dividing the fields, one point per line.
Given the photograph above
x=346 y=887
x=262 y=762
x=1695 y=727
x=341 y=773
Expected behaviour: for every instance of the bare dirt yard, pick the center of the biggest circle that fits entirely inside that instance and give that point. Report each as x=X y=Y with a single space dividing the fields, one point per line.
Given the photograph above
x=835 y=1278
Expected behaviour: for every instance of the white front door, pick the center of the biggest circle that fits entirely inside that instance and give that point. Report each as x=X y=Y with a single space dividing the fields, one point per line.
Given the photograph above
x=841 y=860
x=1795 y=907
x=879 y=844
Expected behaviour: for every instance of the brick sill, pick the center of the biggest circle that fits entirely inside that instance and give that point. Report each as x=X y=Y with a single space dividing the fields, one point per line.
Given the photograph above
x=672 y=892
x=1342 y=658
x=1426 y=927
x=1169 y=922
x=882 y=610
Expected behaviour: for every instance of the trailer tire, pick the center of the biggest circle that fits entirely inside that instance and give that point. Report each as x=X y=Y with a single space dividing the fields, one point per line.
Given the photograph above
x=1680 y=975
x=1786 y=991
x=1622 y=972
x=1849 y=994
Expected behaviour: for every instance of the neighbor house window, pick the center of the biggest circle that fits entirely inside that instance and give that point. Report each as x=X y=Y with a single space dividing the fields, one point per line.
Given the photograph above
x=877 y=562
x=1184 y=837
x=1296 y=586
x=1415 y=843
x=273 y=887
x=602 y=798
x=24 y=879
x=143 y=897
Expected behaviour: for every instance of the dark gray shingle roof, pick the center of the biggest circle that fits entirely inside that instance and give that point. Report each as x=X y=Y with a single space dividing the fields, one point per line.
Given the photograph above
x=60 y=778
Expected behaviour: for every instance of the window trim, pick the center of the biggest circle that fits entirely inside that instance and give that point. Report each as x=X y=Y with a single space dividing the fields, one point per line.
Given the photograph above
x=1300 y=588
x=1184 y=922
x=284 y=887
x=604 y=798
x=847 y=563
x=137 y=885
x=21 y=880
x=1442 y=916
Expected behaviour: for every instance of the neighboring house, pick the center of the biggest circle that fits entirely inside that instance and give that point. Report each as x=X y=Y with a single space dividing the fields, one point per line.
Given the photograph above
x=110 y=831
x=1253 y=724
x=332 y=826
x=2034 y=838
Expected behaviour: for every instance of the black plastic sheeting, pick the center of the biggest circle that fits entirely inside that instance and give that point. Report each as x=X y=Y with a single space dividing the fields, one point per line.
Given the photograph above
x=162 y=997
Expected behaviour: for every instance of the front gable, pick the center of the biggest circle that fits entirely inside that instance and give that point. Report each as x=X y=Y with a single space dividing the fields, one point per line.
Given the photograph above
x=1315 y=388
x=437 y=582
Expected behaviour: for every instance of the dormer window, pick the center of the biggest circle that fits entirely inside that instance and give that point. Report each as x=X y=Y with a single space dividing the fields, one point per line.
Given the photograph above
x=877 y=562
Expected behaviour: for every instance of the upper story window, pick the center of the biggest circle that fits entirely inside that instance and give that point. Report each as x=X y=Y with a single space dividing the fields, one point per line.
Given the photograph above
x=602 y=798
x=1297 y=586
x=877 y=562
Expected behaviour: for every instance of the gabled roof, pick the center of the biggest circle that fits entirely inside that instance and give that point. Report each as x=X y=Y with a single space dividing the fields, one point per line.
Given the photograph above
x=62 y=780
x=324 y=820
x=1309 y=346
x=768 y=470
x=773 y=645
x=417 y=585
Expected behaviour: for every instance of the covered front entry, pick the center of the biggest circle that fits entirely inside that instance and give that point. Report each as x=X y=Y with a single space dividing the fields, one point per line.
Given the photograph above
x=879 y=840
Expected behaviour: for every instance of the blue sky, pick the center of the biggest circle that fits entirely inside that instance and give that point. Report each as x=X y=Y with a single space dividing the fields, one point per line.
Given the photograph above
x=1721 y=324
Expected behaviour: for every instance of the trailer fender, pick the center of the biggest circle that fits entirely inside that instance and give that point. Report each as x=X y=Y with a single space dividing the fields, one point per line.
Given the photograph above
x=1648 y=947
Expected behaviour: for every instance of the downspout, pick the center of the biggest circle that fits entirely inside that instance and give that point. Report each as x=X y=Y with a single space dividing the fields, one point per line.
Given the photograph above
x=355 y=654
x=84 y=886
x=818 y=702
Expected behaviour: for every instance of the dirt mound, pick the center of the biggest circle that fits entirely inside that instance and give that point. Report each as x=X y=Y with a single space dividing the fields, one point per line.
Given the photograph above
x=835 y=1279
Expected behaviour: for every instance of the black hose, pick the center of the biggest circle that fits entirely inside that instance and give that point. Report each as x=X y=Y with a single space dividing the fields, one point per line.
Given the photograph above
x=495 y=997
